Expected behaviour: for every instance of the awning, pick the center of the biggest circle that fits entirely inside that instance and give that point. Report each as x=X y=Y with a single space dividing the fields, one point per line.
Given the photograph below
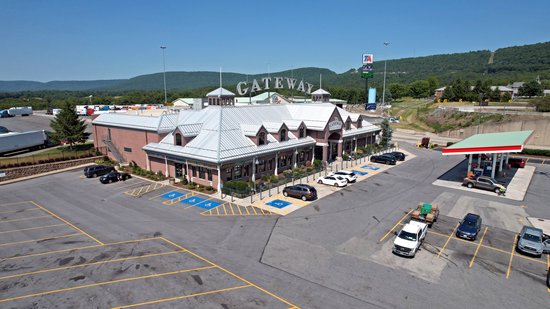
x=502 y=142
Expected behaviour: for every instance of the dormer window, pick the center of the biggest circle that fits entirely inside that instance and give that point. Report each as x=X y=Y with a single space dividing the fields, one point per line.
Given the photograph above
x=359 y=123
x=178 y=139
x=261 y=138
x=302 y=132
x=348 y=125
x=282 y=137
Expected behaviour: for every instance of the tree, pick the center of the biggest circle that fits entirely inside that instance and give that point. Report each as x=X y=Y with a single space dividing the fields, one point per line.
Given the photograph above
x=506 y=97
x=398 y=91
x=420 y=89
x=67 y=127
x=387 y=131
x=433 y=82
x=531 y=89
x=541 y=104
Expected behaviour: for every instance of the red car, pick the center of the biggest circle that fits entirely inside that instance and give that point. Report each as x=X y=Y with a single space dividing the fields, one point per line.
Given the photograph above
x=517 y=162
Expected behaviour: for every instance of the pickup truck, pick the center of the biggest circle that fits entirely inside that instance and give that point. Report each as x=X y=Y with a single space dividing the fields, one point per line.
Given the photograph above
x=410 y=238
x=483 y=182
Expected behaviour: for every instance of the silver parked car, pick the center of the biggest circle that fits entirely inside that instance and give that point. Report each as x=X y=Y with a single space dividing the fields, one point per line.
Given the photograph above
x=531 y=241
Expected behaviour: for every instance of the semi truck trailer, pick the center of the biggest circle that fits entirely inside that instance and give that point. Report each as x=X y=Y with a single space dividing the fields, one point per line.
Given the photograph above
x=14 y=141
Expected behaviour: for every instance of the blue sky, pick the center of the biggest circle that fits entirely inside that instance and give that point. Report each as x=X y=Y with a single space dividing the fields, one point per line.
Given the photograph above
x=87 y=40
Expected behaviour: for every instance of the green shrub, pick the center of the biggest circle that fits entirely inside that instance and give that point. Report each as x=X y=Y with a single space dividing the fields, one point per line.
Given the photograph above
x=238 y=186
x=184 y=181
x=264 y=178
x=209 y=188
x=318 y=164
x=345 y=157
x=273 y=178
x=536 y=152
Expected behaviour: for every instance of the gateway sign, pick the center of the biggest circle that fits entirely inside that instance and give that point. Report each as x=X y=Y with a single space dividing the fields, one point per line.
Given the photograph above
x=277 y=83
x=335 y=124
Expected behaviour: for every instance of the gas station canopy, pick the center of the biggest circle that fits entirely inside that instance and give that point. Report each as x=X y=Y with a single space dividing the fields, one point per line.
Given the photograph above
x=502 y=142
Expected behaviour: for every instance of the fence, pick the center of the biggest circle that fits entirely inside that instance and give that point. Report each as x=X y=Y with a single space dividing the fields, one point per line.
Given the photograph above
x=300 y=175
x=48 y=157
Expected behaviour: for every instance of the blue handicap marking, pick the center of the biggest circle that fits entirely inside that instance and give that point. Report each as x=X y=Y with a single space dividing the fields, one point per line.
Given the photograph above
x=370 y=167
x=193 y=200
x=360 y=173
x=172 y=195
x=208 y=204
x=278 y=203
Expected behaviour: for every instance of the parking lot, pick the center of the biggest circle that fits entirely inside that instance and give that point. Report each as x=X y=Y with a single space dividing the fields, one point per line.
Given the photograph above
x=494 y=250
x=47 y=259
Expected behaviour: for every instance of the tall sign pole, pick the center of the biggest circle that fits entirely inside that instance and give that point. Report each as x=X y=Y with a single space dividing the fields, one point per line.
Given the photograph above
x=366 y=73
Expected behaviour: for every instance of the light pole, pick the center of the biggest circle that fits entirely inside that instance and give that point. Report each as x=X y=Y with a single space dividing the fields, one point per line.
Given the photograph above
x=164 y=73
x=384 y=87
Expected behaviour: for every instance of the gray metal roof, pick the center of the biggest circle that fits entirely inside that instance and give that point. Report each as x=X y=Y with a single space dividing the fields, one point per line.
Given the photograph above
x=220 y=92
x=161 y=124
x=222 y=134
x=320 y=92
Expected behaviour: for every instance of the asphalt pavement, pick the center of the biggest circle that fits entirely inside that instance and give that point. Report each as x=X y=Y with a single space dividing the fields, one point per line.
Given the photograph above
x=333 y=253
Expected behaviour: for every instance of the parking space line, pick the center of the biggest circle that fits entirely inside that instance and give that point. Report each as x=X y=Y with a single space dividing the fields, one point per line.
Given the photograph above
x=20 y=210
x=105 y=283
x=487 y=247
x=183 y=297
x=398 y=222
x=40 y=239
x=14 y=203
x=32 y=228
x=511 y=256
x=67 y=222
x=89 y=264
x=239 y=209
x=133 y=184
x=448 y=239
x=77 y=248
x=23 y=219
x=477 y=249
x=230 y=273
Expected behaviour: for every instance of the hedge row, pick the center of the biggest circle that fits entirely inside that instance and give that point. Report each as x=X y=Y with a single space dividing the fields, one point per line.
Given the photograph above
x=536 y=152
x=44 y=161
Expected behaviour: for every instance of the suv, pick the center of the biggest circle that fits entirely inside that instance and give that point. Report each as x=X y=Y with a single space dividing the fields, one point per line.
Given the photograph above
x=347 y=175
x=469 y=227
x=385 y=158
x=530 y=241
x=304 y=192
x=398 y=155
x=517 y=162
x=97 y=170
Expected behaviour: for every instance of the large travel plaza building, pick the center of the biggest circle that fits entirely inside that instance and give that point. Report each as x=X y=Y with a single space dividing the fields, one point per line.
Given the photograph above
x=223 y=142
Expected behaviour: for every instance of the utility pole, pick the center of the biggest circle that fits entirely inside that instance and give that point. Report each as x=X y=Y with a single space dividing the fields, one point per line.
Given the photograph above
x=164 y=73
x=384 y=87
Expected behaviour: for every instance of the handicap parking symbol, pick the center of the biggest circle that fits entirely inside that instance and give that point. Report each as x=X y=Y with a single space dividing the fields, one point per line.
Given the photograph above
x=370 y=167
x=360 y=173
x=208 y=205
x=192 y=200
x=278 y=203
x=171 y=195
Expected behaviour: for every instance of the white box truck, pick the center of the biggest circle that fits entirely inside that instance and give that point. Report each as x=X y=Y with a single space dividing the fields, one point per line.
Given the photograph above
x=14 y=141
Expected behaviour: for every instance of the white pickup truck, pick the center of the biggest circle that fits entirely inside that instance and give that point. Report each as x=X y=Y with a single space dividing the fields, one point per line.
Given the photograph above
x=410 y=238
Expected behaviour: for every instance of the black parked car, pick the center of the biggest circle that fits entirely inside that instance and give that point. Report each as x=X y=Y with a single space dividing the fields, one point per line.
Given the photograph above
x=469 y=227
x=304 y=192
x=114 y=176
x=399 y=156
x=97 y=170
x=385 y=158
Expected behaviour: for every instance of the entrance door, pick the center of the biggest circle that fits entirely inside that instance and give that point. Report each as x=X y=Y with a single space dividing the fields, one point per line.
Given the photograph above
x=179 y=170
x=333 y=152
x=318 y=152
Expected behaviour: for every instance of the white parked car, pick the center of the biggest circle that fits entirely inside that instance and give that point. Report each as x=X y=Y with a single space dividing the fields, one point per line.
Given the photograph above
x=410 y=238
x=347 y=175
x=332 y=180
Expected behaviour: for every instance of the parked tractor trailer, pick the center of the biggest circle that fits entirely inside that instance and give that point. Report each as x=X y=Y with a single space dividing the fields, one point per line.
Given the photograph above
x=16 y=111
x=14 y=141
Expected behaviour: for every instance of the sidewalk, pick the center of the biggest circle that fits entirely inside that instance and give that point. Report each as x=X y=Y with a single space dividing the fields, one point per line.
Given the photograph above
x=363 y=168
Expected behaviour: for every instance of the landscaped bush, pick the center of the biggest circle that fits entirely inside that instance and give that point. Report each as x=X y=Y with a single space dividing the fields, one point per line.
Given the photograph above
x=536 y=152
x=237 y=186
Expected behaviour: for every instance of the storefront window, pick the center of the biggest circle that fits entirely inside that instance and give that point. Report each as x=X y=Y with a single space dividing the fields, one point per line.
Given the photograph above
x=202 y=171
x=229 y=174
x=238 y=171
x=209 y=174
